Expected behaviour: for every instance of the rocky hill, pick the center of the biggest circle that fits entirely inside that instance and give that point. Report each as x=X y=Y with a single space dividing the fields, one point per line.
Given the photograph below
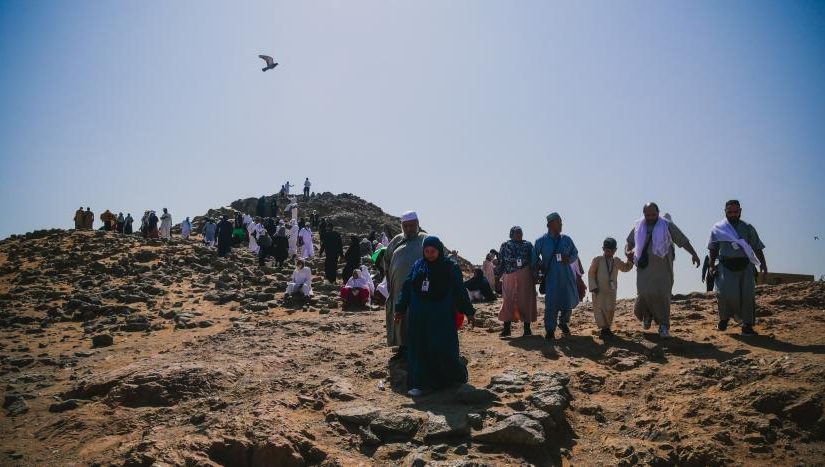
x=115 y=350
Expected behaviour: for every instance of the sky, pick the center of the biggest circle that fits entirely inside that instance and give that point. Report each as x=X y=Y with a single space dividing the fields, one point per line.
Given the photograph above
x=479 y=115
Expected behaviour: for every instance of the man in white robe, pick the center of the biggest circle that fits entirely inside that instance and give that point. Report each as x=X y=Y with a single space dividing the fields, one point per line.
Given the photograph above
x=254 y=229
x=307 y=249
x=166 y=225
x=293 y=238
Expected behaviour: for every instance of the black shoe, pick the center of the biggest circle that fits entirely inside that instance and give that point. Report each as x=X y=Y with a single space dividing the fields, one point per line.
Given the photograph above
x=506 y=331
x=564 y=329
x=527 y=330
x=605 y=333
x=551 y=335
x=747 y=330
x=723 y=324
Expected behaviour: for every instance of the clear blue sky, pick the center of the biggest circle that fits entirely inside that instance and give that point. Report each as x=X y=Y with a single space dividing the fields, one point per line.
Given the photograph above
x=479 y=115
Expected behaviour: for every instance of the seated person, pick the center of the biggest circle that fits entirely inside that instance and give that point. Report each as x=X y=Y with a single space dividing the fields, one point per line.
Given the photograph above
x=381 y=297
x=478 y=287
x=357 y=289
x=301 y=280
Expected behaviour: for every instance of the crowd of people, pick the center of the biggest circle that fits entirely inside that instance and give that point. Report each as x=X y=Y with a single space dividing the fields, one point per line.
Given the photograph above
x=426 y=300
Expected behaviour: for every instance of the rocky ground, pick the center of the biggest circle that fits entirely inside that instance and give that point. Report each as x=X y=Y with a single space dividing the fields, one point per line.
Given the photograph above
x=119 y=351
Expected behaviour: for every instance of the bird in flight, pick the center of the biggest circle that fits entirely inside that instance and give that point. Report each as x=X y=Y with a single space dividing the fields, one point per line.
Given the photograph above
x=270 y=63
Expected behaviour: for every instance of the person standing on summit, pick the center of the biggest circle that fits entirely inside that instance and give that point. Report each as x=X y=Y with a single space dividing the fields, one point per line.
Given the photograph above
x=165 y=225
x=307 y=185
x=79 y=219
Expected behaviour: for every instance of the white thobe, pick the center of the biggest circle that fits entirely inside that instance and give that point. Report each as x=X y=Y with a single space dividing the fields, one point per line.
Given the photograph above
x=308 y=250
x=166 y=226
x=254 y=229
x=293 y=239
x=301 y=280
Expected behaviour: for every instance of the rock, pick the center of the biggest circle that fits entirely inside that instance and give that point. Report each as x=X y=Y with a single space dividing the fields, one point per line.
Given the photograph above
x=340 y=389
x=358 y=415
x=552 y=400
x=470 y=395
x=446 y=425
x=517 y=429
x=773 y=402
x=63 y=406
x=511 y=382
x=16 y=405
x=393 y=425
x=102 y=340
x=276 y=450
x=804 y=412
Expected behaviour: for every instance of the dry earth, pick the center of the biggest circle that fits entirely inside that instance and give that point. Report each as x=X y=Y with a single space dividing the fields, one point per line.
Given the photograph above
x=121 y=351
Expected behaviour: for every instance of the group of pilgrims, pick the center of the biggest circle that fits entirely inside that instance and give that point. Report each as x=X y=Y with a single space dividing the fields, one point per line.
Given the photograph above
x=426 y=293
x=151 y=226
x=426 y=300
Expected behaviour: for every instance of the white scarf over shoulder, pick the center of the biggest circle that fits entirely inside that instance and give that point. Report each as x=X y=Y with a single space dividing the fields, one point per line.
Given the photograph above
x=661 y=238
x=723 y=231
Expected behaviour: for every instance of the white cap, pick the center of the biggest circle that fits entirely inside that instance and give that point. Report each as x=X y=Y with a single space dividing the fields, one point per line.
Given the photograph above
x=409 y=216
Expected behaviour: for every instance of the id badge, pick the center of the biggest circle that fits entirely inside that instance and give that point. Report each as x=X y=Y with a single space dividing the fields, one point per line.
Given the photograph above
x=558 y=257
x=425 y=285
x=612 y=285
x=518 y=262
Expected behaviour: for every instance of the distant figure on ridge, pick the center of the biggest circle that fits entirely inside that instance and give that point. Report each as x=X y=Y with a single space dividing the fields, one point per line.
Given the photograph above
x=307 y=185
x=166 y=225
x=224 y=231
x=79 y=219
x=185 y=228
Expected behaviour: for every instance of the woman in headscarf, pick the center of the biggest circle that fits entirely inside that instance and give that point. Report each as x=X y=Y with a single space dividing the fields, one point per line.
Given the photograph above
x=352 y=256
x=429 y=299
x=357 y=289
x=280 y=246
x=518 y=289
x=301 y=280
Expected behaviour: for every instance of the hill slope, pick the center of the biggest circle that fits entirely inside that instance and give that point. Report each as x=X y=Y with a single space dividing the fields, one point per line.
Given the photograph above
x=208 y=365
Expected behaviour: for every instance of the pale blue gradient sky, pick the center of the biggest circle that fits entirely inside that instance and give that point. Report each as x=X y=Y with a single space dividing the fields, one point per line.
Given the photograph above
x=479 y=115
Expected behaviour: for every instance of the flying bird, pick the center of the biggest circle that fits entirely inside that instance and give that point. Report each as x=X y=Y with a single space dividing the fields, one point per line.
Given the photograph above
x=270 y=63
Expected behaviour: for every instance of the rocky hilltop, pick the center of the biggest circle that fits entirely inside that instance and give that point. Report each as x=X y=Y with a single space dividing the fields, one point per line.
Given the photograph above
x=115 y=350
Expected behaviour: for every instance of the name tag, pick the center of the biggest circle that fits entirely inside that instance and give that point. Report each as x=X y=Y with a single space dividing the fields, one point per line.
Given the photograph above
x=518 y=262
x=425 y=286
x=558 y=257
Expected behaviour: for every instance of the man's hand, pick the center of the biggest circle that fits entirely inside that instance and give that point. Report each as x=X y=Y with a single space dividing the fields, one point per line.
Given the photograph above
x=712 y=269
x=565 y=259
x=763 y=268
x=696 y=260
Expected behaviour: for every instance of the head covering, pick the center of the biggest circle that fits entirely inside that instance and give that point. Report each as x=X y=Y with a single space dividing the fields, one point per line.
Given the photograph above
x=609 y=243
x=514 y=229
x=553 y=216
x=437 y=272
x=409 y=216
x=435 y=242
x=733 y=202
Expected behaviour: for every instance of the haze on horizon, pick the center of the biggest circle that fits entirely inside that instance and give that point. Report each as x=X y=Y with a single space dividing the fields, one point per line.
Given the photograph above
x=478 y=115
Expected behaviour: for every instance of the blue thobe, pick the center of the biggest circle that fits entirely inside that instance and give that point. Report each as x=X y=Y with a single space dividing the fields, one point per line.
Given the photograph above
x=561 y=294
